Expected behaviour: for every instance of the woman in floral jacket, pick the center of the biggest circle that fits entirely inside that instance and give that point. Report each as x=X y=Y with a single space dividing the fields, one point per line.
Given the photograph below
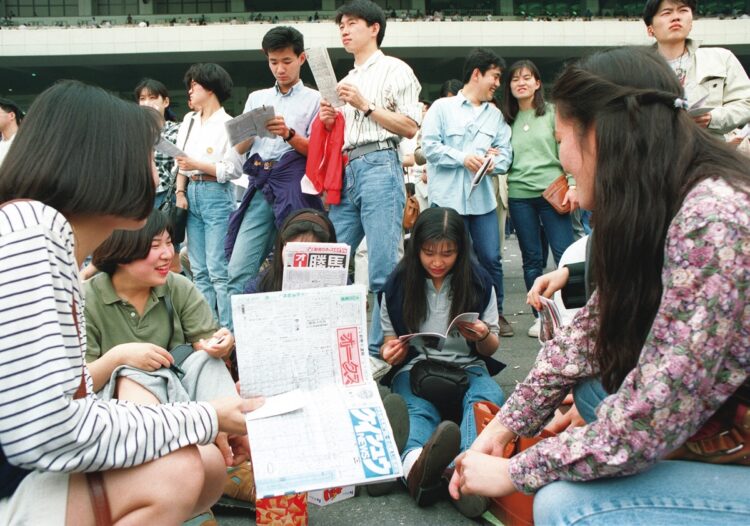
x=668 y=328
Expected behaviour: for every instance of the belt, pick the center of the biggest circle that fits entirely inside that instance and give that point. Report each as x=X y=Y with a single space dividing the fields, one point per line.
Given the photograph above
x=364 y=149
x=203 y=178
x=267 y=165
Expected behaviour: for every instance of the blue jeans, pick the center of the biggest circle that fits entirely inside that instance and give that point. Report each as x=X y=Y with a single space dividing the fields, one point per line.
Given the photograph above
x=588 y=394
x=372 y=205
x=528 y=214
x=672 y=492
x=424 y=417
x=254 y=242
x=210 y=204
x=485 y=238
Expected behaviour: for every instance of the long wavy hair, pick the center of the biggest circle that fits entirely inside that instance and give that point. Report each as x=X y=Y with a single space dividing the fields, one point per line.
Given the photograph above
x=650 y=154
x=435 y=225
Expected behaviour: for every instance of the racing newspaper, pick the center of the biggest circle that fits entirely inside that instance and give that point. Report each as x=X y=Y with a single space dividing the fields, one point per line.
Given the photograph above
x=323 y=423
x=311 y=265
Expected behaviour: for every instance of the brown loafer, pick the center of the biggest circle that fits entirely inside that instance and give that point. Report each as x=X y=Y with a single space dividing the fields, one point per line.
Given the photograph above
x=425 y=478
x=505 y=328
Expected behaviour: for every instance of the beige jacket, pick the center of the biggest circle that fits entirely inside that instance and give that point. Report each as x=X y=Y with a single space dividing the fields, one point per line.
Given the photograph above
x=716 y=72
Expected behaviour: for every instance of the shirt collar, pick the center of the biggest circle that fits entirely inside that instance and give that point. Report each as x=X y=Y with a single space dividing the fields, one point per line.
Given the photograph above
x=102 y=284
x=462 y=100
x=292 y=90
x=370 y=61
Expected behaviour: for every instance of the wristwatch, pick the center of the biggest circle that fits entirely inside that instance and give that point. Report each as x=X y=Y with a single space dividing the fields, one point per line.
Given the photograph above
x=370 y=109
x=291 y=135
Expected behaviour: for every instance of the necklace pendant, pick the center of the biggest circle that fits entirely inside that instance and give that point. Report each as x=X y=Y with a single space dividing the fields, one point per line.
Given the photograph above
x=526 y=127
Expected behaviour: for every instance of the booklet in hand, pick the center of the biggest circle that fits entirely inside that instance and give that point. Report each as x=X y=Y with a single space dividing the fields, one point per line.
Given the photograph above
x=480 y=174
x=434 y=340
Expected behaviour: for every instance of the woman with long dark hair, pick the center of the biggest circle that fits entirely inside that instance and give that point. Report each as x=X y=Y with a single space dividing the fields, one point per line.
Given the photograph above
x=436 y=281
x=666 y=328
x=58 y=204
x=535 y=166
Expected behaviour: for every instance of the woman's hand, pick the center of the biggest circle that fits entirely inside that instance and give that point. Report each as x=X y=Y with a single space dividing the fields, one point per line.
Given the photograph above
x=562 y=421
x=571 y=196
x=219 y=345
x=234 y=448
x=393 y=350
x=144 y=356
x=473 y=331
x=186 y=163
x=231 y=413
x=480 y=474
x=546 y=285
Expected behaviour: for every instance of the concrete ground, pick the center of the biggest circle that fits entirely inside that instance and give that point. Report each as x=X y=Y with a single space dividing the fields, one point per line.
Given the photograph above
x=398 y=508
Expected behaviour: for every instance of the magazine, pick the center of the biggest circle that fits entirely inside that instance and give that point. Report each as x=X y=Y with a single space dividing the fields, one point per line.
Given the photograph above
x=434 y=340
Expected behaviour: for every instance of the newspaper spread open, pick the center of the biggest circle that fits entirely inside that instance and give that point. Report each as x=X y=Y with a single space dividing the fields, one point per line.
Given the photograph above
x=250 y=124
x=311 y=265
x=336 y=433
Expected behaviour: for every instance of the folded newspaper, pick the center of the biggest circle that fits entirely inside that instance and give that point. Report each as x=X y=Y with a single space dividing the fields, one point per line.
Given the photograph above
x=306 y=352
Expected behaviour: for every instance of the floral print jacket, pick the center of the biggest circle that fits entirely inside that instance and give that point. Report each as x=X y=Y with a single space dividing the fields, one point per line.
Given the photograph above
x=696 y=355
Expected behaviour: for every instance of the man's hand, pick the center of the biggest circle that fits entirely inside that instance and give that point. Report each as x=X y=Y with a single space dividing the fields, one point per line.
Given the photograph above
x=351 y=95
x=703 y=120
x=327 y=114
x=473 y=163
x=277 y=126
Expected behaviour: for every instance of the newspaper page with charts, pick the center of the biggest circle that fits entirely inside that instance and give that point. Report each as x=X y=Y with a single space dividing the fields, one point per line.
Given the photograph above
x=335 y=431
x=311 y=265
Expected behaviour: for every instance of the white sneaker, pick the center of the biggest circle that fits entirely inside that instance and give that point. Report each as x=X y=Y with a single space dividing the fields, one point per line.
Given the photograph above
x=535 y=328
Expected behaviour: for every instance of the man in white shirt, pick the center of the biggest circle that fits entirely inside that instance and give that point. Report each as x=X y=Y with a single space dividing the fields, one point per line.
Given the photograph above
x=382 y=106
x=10 y=119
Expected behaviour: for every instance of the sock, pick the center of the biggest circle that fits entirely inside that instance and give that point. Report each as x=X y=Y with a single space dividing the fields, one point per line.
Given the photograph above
x=409 y=460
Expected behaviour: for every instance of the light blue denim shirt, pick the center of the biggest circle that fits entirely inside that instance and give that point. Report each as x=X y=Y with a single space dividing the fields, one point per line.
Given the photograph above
x=298 y=106
x=453 y=129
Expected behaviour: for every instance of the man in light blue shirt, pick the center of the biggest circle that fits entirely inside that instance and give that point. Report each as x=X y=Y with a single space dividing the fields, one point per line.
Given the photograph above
x=275 y=166
x=458 y=134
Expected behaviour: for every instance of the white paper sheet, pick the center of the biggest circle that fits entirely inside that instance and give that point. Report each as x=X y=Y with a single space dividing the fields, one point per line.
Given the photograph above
x=168 y=148
x=313 y=340
x=480 y=174
x=325 y=78
x=250 y=124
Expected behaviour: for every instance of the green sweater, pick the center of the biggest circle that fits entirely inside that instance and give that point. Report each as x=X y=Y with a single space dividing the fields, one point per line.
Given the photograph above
x=111 y=321
x=535 y=157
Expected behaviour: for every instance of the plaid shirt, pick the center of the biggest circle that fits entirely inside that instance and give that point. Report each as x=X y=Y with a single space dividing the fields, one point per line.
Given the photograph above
x=165 y=163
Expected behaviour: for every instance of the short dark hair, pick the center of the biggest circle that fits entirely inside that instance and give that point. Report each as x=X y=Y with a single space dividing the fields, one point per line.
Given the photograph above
x=126 y=246
x=652 y=6
x=368 y=11
x=510 y=104
x=212 y=77
x=154 y=87
x=450 y=86
x=482 y=59
x=11 y=107
x=87 y=165
x=282 y=37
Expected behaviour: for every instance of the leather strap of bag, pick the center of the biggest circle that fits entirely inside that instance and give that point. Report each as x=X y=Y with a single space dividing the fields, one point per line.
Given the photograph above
x=94 y=480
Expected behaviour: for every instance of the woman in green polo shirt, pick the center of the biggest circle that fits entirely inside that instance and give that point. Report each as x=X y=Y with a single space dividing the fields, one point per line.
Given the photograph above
x=535 y=166
x=128 y=321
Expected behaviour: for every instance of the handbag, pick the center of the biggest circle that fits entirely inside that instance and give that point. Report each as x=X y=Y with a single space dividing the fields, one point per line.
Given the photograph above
x=442 y=384
x=176 y=216
x=555 y=194
x=516 y=509
x=411 y=212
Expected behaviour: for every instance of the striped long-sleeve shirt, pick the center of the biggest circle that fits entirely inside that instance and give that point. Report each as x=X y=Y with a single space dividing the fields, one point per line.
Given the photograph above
x=41 y=362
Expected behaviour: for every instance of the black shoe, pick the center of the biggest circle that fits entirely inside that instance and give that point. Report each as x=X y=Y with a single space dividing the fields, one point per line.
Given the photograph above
x=505 y=327
x=398 y=416
x=425 y=480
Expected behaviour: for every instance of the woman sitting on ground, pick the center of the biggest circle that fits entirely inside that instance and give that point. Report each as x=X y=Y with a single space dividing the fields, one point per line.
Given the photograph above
x=53 y=428
x=435 y=281
x=666 y=329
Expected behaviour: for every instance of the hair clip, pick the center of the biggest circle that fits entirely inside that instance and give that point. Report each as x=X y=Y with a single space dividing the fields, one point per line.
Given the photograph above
x=681 y=103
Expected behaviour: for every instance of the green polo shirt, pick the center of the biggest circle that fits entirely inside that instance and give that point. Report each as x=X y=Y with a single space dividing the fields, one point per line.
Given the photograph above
x=111 y=321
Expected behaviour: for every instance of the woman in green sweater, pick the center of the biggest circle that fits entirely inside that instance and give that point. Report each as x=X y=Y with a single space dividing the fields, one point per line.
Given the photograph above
x=535 y=166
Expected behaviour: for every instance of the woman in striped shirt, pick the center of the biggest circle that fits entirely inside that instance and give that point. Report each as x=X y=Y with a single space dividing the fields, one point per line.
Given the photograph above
x=93 y=175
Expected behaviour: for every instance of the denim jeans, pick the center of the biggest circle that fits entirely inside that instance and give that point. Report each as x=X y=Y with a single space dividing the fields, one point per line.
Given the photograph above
x=424 y=417
x=485 y=238
x=588 y=394
x=527 y=215
x=210 y=204
x=672 y=492
x=254 y=242
x=372 y=205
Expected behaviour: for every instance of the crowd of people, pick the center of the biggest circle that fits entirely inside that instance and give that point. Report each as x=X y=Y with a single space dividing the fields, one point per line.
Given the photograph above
x=100 y=406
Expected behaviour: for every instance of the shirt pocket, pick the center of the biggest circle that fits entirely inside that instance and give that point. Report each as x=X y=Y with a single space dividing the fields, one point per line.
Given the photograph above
x=714 y=87
x=454 y=137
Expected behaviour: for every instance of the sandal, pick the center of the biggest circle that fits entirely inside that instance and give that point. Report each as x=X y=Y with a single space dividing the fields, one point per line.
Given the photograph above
x=239 y=488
